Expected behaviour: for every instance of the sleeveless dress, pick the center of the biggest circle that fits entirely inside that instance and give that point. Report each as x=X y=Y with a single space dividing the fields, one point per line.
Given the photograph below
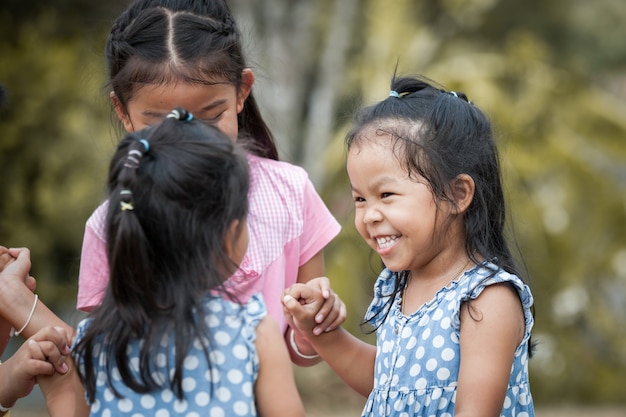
x=418 y=356
x=226 y=388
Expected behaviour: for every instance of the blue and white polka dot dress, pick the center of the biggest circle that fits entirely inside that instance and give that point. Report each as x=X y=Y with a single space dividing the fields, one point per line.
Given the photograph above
x=224 y=390
x=417 y=357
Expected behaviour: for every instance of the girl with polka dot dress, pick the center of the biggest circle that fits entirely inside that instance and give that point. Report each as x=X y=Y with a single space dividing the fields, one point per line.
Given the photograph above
x=451 y=313
x=170 y=337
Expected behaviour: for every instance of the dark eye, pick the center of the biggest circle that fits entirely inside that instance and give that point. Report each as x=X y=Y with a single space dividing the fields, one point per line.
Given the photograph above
x=359 y=199
x=215 y=118
x=385 y=195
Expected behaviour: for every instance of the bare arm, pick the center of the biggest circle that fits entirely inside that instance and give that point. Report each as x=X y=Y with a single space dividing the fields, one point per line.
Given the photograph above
x=64 y=394
x=275 y=391
x=351 y=358
x=17 y=299
x=492 y=326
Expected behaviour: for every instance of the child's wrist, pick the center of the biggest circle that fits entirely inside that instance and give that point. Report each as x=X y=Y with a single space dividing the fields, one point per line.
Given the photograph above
x=298 y=350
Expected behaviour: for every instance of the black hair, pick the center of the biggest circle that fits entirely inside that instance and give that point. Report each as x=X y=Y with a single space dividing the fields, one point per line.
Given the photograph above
x=175 y=191
x=439 y=135
x=162 y=41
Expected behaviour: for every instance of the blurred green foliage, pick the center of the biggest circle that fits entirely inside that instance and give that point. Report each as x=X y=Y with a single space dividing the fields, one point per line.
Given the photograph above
x=551 y=75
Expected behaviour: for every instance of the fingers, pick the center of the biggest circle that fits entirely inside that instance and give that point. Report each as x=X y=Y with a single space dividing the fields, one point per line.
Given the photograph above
x=5 y=257
x=313 y=307
x=304 y=293
x=20 y=265
x=42 y=354
x=51 y=344
x=302 y=313
x=21 y=253
x=31 y=283
x=331 y=315
x=326 y=314
x=324 y=284
x=38 y=363
x=290 y=304
x=341 y=317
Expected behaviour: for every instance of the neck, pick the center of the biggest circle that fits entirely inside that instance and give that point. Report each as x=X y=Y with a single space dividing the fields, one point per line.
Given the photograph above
x=421 y=289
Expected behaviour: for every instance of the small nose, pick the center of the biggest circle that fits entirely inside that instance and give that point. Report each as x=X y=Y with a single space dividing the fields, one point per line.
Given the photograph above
x=372 y=214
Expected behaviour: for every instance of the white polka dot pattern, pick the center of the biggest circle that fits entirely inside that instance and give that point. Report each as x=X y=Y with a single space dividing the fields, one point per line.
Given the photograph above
x=418 y=356
x=226 y=388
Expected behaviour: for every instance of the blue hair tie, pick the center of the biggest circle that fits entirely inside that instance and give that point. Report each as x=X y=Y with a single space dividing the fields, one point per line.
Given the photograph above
x=454 y=94
x=394 y=93
x=189 y=117
x=145 y=144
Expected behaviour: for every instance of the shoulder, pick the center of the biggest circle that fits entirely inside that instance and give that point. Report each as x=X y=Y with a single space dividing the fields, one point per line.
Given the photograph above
x=283 y=172
x=499 y=295
x=280 y=191
x=255 y=309
x=236 y=314
x=487 y=275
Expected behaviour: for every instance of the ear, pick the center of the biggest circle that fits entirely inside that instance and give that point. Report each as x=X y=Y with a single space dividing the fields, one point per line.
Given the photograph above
x=247 y=80
x=121 y=112
x=231 y=238
x=462 y=188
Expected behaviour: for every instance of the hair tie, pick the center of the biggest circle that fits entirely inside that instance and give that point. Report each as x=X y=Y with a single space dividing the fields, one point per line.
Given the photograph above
x=174 y=114
x=394 y=93
x=462 y=96
x=145 y=144
x=132 y=160
x=180 y=114
x=126 y=205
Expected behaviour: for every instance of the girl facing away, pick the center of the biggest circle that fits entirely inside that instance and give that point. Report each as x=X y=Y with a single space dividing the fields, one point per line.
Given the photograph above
x=167 y=53
x=453 y=318
x=170 y=337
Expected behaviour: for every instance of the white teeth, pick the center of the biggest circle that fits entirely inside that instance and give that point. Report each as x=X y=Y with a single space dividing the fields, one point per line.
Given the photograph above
x=387 y=241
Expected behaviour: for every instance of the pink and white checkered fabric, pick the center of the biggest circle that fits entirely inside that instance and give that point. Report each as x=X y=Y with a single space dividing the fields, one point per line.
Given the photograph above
x=288 y=224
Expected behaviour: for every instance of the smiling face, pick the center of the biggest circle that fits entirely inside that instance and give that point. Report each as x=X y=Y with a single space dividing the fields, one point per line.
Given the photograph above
x=218 y=104
x=396 y=215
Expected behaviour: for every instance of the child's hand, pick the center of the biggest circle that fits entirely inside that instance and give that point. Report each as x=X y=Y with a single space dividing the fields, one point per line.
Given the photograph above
x=42 y=354
x=333 y=312
x=15 y=264
x=301 y=302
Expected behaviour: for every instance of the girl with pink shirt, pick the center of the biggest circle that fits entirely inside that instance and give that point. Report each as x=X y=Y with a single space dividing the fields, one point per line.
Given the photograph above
x=166 y=54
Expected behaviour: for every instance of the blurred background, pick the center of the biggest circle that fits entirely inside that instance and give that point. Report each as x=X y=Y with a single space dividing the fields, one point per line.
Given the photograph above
x=551 y=74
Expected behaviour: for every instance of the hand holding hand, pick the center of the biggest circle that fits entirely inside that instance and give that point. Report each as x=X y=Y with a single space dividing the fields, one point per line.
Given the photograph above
x=15 y=264
x=333 y=312
x=44 y=353
x=301 y=303
x=313 y=307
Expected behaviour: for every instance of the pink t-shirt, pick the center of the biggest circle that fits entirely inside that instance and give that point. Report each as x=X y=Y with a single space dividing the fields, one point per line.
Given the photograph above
x=288 y=224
